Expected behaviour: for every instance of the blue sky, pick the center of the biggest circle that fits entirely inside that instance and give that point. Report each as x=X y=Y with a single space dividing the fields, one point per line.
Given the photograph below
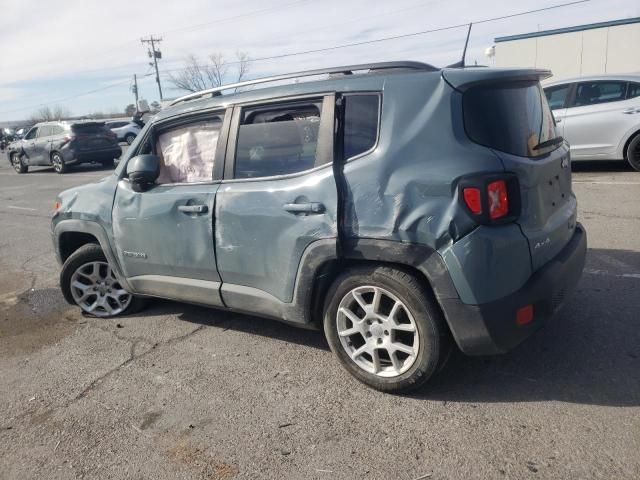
x=52 y=52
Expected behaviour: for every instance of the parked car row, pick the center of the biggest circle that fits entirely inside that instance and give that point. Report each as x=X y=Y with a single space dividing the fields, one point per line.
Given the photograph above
x=599 y=116
x=62 y=144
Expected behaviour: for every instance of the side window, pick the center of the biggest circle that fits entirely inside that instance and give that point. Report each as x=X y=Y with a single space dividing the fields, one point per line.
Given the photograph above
x=556 y=96
x=277 y=140
x=57 y=130
x=31 y=134
x=44 y=131
x=187 y=152
x=361 y=123
x=634 y=90
x=591 y=93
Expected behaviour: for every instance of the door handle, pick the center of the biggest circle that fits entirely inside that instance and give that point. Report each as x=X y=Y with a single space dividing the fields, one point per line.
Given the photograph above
x=631 y=111
x=311 y=207
x=193 y=208
x=558 y=120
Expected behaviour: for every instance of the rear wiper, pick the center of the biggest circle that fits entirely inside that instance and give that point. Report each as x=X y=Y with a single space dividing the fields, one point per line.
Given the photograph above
x=549 y=143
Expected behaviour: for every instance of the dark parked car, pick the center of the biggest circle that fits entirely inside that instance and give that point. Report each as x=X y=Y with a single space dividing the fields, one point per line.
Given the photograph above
x=61 y=144
x=398 y=206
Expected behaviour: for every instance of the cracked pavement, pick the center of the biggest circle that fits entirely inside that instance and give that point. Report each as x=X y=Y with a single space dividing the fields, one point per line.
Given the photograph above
x=178 y=391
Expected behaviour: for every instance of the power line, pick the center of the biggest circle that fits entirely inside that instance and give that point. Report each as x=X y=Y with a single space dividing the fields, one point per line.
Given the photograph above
x=336 y=47
x=405 y=35
x=235 y=17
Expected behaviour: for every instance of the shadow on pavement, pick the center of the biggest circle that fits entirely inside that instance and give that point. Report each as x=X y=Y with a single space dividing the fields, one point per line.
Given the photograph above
x=601 y=166
x=588 y=353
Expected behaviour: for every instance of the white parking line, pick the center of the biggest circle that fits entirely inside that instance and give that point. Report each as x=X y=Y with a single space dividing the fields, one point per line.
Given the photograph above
x=23 y=208
x=609 y=274
x=597 y=182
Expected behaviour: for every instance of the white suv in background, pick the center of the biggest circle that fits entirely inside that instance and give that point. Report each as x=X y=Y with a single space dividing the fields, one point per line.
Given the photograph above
x=126 y=130
x=599 y=116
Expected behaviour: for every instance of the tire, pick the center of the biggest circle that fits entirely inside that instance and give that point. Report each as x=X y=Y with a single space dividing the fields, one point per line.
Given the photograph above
x=88 y=266
x=633 y=153
x=108 y=163
x=129 y=138
x=58 y=163
x=18 y=163
x=418 y=327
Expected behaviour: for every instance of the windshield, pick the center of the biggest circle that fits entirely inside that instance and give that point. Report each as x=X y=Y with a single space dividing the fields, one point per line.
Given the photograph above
x=512 y=117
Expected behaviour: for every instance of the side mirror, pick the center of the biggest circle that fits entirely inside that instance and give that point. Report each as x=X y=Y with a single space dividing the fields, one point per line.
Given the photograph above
x=143 y=171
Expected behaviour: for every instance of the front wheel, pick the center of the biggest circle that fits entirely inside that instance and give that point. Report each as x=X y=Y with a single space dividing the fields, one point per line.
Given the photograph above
x=633 y=152
x=384 y=327
x=18 y=163
x=108 y=163
x=130 y=138
x=88 y=281
x=58 y=163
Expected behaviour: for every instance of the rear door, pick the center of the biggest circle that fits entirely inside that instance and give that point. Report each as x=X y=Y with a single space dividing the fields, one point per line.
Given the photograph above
x=164 y=236
x=278 y=196
x=594 y=122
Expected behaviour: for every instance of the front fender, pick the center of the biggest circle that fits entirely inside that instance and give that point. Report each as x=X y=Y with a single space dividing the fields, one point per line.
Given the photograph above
x=97 y=231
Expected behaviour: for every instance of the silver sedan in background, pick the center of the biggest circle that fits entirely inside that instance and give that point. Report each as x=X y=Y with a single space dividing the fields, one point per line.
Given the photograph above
x=599 y=116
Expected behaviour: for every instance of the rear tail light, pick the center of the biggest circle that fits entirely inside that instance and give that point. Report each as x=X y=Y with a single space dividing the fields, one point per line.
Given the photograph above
x=498 y=199
x=473 y=199
x=491 y=198
x=524 y=315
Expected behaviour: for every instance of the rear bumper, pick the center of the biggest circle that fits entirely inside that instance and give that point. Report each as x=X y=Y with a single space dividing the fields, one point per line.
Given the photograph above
x=491 y=328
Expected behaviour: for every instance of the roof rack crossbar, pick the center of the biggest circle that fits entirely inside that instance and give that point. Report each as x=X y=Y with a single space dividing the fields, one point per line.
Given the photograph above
x=419 y=66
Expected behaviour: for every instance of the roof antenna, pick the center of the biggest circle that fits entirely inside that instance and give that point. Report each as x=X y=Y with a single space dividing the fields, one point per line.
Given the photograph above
x=460 y=64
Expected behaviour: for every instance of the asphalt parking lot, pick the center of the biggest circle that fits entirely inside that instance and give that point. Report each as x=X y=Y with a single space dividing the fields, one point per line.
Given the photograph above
x=179 y=391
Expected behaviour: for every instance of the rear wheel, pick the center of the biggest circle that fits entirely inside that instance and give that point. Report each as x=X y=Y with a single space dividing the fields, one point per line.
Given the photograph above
x=385 y=329
x=108 y=163
x=58 y=163
x=18 y=163
x=88 y=281
x=129 y=138
x=633 y=152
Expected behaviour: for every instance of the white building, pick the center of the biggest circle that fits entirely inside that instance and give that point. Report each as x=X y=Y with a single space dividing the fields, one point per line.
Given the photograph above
x=607 y=47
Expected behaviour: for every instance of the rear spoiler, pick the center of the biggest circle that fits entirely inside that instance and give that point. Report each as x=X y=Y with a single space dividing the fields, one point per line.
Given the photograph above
x=463 y=78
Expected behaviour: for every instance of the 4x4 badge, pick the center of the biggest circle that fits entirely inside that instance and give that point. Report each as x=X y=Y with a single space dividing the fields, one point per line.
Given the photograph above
x=565 y=162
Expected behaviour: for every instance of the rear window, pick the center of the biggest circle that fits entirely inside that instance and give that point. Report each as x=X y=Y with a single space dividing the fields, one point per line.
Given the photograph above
x=511 y=117
x=89 y=128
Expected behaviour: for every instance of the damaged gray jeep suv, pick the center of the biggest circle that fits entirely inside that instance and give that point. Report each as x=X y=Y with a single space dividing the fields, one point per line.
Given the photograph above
x=401 y=207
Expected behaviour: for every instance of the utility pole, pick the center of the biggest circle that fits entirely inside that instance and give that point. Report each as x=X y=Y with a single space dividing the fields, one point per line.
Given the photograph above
x=155 y=54
x=134 y=88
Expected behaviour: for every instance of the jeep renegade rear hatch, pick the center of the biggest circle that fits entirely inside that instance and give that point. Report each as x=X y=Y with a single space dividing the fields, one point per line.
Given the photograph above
x=510 y=115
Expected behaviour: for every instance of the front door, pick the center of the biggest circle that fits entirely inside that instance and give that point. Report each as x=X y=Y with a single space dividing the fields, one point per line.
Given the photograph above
x=279 y=196
x=30 y=145
x=164 y=236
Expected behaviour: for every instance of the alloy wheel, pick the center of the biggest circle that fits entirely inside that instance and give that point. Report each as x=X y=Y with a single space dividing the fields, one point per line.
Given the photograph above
x=56 y=160
x=377 y=331
x=96 y=290
x=16 y=162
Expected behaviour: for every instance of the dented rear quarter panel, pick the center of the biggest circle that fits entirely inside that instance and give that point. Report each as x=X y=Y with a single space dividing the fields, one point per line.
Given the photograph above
x=406 y=191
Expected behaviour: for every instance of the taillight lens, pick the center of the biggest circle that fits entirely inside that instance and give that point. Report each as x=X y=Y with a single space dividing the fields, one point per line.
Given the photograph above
x=498 y=199
x=491 y=198
x=473 y=199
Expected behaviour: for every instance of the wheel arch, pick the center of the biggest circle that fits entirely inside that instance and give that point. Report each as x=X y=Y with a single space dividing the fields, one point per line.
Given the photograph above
x=628 y=142
x=321 y=265
x=79 y=233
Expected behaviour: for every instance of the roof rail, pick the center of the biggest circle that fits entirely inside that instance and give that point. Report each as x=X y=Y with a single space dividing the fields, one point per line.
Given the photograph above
x=346 y=70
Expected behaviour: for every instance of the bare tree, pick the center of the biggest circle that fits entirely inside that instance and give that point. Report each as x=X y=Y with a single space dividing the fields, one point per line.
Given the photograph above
x=196 y=76
x=47 y=114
